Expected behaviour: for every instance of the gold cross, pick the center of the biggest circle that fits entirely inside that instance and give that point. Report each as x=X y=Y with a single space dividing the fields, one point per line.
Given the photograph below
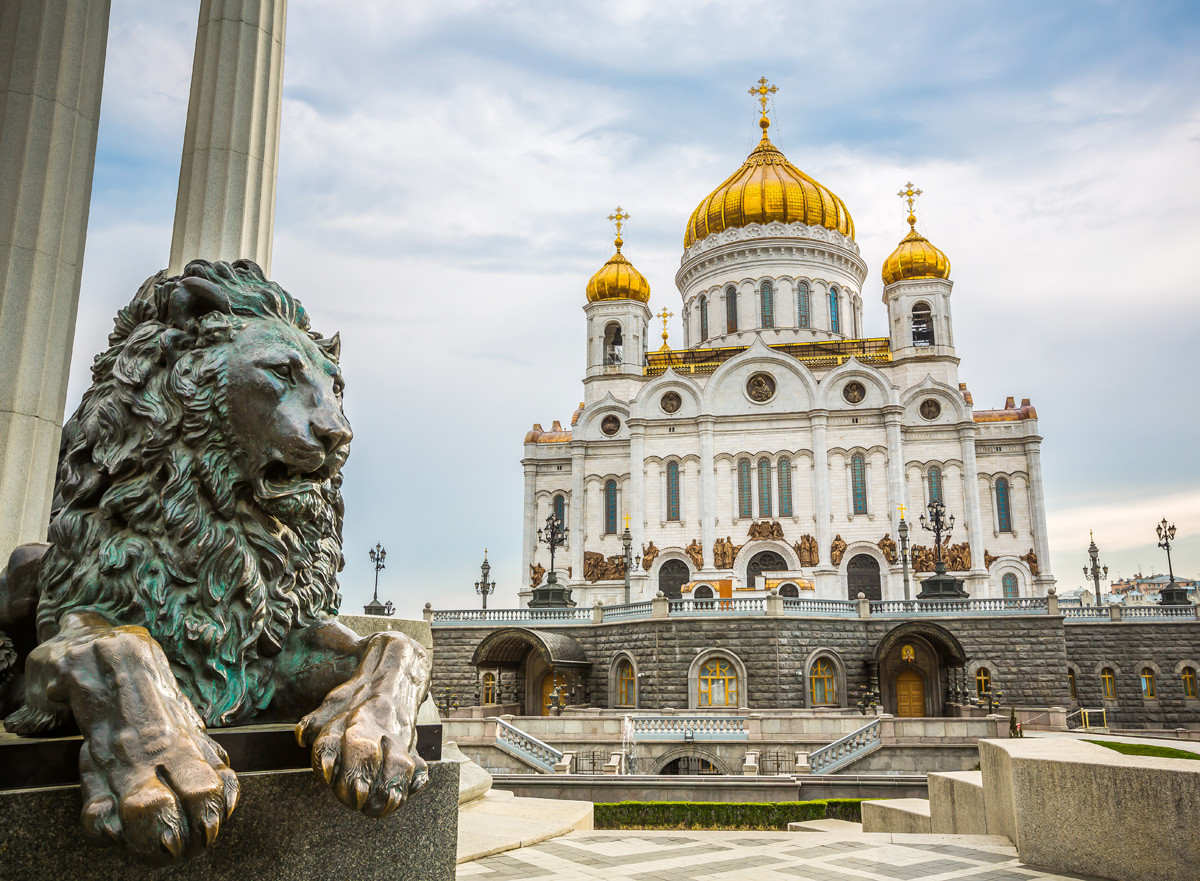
x=902 y=509
x=626 y=521
x=664 y=315
x=618 y=217
x=762 y=90
x=910 y=195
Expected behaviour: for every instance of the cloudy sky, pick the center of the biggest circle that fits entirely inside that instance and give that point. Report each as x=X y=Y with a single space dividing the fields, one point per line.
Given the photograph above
x=446 y=170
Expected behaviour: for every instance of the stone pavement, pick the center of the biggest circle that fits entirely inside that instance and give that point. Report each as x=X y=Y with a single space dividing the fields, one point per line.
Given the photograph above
x=759 y=856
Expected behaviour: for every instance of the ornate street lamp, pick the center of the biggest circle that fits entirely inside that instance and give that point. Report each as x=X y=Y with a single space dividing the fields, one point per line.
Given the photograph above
x=447 y=702
x=630 y=559
x=902 y=531
x=1095 y=572
x=552 y=595
x=378 y=554
x=1172 y=594
x=939 y=585
x=483 y=587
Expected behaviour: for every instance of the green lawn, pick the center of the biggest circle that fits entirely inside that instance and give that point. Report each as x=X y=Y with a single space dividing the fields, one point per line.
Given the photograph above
x=1146 y=749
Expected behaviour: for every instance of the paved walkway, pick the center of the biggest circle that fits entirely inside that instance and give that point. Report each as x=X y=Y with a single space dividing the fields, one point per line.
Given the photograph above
x=759 y=856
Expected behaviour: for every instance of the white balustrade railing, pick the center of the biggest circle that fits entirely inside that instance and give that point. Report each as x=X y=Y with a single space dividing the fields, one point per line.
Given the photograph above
x=1085 y=612
x=516 y=742
x=737 y=606
x=1157 y=611
x=837 y=608
x=689 y=728
x=842 y=752
x=505 y=616
x=627 y=610
x=996 y=605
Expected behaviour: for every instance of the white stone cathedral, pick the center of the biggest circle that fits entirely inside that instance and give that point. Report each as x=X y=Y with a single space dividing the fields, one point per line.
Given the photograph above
x=776 y=450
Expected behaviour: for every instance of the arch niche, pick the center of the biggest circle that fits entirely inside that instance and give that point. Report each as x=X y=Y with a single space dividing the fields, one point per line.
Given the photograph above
x=764 y=561
x=673 y=575
x=916 y=662
x=862 y=576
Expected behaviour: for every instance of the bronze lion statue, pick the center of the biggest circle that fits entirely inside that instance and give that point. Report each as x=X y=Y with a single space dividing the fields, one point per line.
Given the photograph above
x=190 y=577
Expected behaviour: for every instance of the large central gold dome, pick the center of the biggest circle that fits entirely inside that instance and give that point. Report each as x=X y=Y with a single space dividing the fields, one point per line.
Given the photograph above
x=767 y=188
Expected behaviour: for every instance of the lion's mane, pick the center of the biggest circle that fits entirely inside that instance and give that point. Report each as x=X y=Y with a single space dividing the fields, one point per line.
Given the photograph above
x=154 y=524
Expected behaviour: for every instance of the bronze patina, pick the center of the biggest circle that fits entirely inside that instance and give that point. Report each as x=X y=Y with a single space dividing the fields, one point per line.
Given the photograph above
x=190 y=578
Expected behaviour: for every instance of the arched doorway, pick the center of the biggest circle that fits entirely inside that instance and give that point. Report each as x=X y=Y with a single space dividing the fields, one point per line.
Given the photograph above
x=552 y=680
x=690 y=765
x=862 y=576
x=672 y=575
x=910 y=694
x=763 y=561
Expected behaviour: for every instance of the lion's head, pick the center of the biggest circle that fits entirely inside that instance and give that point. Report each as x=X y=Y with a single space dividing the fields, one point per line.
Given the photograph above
x=199 y=482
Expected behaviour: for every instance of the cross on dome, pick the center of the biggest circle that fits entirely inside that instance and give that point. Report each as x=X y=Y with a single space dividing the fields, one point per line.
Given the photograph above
x=618 y=217
x=909 y=194
x=664 y=315
x=763 y=90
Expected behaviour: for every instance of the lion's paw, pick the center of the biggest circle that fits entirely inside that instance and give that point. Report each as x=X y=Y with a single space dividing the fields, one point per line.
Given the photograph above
x=164 y=809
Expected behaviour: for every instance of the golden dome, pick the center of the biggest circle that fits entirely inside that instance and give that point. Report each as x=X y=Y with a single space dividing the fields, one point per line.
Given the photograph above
x=767 y=188
x=617 y=279
x=915 y=256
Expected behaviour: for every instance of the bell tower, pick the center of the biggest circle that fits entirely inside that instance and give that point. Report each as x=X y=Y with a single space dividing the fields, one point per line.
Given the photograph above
x=916 y=291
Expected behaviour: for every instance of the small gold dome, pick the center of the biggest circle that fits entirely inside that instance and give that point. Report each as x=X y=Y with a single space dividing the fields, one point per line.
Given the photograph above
x=618 y=280
x=915 y=257
x=767 y=188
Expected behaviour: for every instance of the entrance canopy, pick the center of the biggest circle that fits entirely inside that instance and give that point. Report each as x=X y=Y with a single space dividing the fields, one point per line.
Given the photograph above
x=510 y=646
x=943 y=640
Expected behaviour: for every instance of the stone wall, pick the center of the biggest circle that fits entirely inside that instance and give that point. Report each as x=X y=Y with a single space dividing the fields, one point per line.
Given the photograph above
x=1127 y=647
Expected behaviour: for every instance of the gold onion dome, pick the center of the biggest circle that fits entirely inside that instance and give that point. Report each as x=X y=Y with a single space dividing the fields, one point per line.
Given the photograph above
x=915 y=256
x=765 y=189
x=617 y=279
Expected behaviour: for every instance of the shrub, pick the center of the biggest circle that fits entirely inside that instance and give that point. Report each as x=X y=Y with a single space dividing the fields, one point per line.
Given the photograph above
x=722 y=815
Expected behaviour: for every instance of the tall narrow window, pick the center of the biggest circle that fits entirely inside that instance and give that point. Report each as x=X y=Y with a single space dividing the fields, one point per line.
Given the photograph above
x=1003 y=506
x=764 y=487
x=731 y=309
x=489 y=688
x=560 y=508
x=803 y=307
x=672 y=490
x=1010 y=586
x=922 y=325
x=835 y=317
x=767 y=298
x=983 y=682
x=858 y=482
x=935 y=484
x=1108 y=684
x=626 y=685
x=610 y=508
x=1148 y=683
x=744 y=507
x=703 y=319
x=1071 y=684
x=822 y=686
x=1189 y=683
x=785 y=487
x=614 y=344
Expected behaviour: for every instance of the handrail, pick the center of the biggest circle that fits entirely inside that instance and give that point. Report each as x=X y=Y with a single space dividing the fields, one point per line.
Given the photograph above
x=688 y=728
x=1157 y=611
x=822 y=353
x=628 y=610
x=501 y=616
x=847 y=749
x=1084 y=611
x=742 y=605
x=839 y=608
x=523 y=745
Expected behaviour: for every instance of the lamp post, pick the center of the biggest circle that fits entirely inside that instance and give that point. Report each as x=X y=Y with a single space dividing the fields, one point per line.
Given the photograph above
x=1095 y=572
x=1172 y=594
x=552 y=594
x=483 y=587
x=939 y=585
x=902 y=531
x=378 y=554
x=630 y=559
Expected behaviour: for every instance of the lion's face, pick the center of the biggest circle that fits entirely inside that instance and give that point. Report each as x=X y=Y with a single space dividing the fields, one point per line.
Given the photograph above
x=284 y=399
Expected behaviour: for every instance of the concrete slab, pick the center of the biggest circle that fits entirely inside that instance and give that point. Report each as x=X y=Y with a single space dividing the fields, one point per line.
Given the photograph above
x=897 y=815
x=847 y=827
x=500 y=822
x=956 y=804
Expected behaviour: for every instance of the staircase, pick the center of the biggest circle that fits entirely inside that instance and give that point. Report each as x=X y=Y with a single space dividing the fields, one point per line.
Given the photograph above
x=526 y=747
x=850 y=748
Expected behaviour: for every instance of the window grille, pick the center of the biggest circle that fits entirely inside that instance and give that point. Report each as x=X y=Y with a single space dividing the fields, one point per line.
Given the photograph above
x=731 y=325
x=1003 y=506
x=1071 y=684
x=718 y=684
x=822 y=686
x=935 y=484
x=626 y=685
x=1108 y=683
x=835 y=318
x=489 y=688
x=560 y=508
x=745 y=508
x=767 y=297
x=610 y=508
x=1189 y=682
x=703 y=319
x=764 y=487
x=672 y=490
x=785 y=487
x=1010 y=586
x=858 y=480
x=1148 y=683
x=803 y=309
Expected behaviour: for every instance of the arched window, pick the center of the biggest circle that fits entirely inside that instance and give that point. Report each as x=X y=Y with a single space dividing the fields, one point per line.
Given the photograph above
x=626 y=684
x=1108 y=684
x=672 y=490
x=702 y=592
x=983 y=682
x=718 y=683
x=744 y=507
x=922 y=325
x=560 y=508
x=803 y=305
x=835 y=316
x=731 y=309
x=703 y=319
x=1071 y=683
x=614 y=344
x=822 y=684
x=785 y=487
x=610 y=508
x=1009 y=581
x=489 y=688
x=935 y=484
x=790 y=591
x=1189 y=683
x=858 y=482
x=764 y=487
x=1003 y=507
x=1148 y=683
x=767 y=300
x=672 y=576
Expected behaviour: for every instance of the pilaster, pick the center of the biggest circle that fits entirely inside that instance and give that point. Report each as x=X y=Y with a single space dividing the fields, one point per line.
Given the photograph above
x=1037 y=494
x=577 y=537
x=708 y=489
x=966 y=436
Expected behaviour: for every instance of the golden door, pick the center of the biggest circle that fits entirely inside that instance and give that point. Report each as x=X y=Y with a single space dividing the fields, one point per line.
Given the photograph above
x=910 y=694
x=550 y=681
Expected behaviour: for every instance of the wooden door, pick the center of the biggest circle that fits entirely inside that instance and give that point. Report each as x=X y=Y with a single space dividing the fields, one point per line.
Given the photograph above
x=550 y=681
x=910 y=694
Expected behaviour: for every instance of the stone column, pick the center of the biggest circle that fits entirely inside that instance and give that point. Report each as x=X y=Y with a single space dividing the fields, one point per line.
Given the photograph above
x=821 y=487
x=1037 y=498
x=636 y=504
x=226 y=203
x=708 y=489
x=51 y=73
x=578 y=524
x=966 y=435
x=529 y=526
x=895 y=467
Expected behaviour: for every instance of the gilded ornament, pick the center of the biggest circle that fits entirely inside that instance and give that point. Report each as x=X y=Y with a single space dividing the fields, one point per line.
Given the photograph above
x=771 y=531
x=914 y=257
x=888 y=547
x=836 y=549
x=695 y=552
x=1031 y=559
x=649 y=554
x=536 y=573
x=617 y=279
x=808 y=551
x=989 y=559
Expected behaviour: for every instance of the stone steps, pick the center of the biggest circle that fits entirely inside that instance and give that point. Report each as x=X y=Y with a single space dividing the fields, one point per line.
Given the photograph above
x=908 y=816
x=846 y=826
x=956 y=803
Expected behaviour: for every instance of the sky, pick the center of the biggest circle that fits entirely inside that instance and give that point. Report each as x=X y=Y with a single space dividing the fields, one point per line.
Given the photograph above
x=446 y=170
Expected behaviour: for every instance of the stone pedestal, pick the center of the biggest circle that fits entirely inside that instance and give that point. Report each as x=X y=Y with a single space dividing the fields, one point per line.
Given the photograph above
x=51 y=71
x=942 y=586
x=226 y=204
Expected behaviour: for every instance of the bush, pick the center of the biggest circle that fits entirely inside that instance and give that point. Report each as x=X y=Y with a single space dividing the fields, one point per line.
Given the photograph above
x=722 y=815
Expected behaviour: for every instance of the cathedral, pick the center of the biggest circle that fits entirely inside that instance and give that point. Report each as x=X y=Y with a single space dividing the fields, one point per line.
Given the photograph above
x=779 y=448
